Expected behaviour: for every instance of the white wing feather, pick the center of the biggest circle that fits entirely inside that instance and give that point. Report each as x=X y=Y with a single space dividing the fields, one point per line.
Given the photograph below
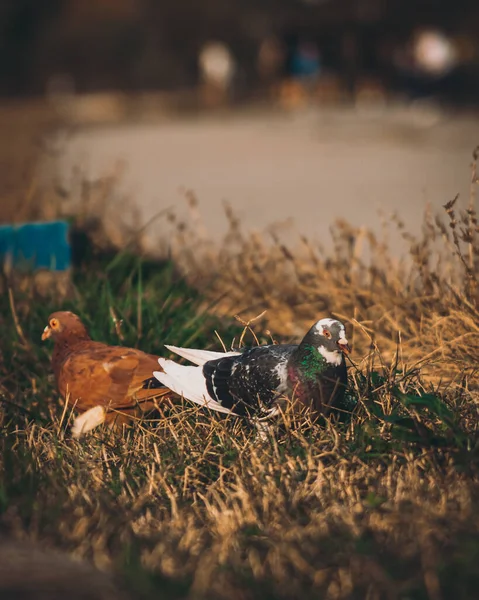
x=199 y=357
x=188 y=382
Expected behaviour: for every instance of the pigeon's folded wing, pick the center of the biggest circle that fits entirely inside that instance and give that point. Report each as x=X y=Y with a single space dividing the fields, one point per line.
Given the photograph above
x=110 y=376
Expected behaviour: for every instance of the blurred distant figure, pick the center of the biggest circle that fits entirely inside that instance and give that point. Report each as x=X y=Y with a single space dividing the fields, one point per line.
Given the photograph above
x=434 y=53
x=218 y=68
x=271 y=58
x=306 y=63
x=425 y=62
x=304 y=71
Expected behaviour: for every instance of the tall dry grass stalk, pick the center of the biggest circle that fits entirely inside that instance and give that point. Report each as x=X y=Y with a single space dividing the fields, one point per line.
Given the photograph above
x=424 y=306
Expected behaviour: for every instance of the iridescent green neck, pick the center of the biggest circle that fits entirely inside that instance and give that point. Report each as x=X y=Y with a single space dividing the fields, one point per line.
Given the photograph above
x=310 y=361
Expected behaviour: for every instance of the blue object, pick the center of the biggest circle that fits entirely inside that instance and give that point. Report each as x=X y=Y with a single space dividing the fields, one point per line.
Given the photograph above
x=36 y=245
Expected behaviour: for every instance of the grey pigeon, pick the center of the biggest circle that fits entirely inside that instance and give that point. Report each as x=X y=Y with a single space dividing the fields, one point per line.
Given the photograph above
x=253 y=381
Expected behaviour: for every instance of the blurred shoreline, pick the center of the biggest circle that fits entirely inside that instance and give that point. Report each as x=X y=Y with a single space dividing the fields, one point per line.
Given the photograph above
x=295 y=171
x=281 y=172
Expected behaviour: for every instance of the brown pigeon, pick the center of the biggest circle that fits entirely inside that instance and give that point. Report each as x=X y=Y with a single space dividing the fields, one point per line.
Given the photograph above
x=104 y=383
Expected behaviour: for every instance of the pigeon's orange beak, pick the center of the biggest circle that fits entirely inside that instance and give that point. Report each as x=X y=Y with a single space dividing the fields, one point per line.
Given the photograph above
x=47 y=332
x=344 y=346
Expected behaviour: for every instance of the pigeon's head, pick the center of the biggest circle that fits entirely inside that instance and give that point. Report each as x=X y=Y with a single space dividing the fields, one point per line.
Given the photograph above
x=329 y=337
x=63 y=325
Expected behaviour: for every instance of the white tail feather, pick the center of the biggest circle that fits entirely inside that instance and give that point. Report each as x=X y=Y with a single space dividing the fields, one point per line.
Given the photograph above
x=199 y=357
x=188 y=382
x=88 y=420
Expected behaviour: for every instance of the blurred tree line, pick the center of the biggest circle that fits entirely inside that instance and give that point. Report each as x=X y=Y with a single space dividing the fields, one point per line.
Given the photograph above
x=154 y=44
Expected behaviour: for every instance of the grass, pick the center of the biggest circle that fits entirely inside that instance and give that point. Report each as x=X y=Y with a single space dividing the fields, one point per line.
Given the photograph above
x=381 y=505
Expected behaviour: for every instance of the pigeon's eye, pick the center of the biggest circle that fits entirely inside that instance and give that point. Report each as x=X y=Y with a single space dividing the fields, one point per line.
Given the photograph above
x=327 y=334
x=54 y=323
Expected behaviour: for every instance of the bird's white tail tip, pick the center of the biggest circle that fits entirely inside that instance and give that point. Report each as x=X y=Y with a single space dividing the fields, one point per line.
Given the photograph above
x=88 y=420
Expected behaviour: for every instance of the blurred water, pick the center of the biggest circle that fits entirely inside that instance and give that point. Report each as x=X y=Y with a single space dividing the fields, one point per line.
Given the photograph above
x=312 y=166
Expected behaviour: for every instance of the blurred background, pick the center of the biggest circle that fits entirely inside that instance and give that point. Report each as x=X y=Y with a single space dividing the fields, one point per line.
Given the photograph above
x=296 y=112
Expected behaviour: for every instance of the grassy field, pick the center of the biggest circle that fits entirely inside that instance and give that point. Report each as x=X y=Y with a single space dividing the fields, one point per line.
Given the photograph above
x=185 y=504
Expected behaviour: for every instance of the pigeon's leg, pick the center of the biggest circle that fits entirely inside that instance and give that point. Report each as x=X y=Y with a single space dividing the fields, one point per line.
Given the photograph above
x=264 y=430
x=264 y=427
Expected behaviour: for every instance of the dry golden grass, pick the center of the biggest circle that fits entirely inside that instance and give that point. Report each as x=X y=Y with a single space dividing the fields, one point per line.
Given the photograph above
x=191 y=504
x=421 y=310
